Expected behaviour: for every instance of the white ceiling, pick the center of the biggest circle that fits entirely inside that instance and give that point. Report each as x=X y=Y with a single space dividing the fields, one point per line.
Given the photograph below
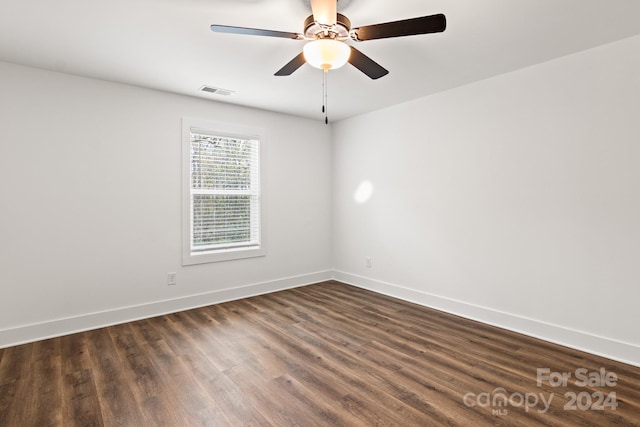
x=167 y=45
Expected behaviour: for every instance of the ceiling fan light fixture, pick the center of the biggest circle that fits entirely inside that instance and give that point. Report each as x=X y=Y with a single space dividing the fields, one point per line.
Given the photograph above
x=327 y=54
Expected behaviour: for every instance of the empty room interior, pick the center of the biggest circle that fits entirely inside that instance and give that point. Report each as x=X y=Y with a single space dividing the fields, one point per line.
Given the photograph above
x=319 y=212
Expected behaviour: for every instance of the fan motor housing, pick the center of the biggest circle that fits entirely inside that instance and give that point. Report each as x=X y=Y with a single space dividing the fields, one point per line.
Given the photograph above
x=340 y=31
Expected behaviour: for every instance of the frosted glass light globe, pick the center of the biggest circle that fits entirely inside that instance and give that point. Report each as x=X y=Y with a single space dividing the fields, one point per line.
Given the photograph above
x=326 y=54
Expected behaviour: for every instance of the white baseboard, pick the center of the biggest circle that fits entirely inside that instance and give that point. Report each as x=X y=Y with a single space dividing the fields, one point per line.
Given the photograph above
x=579 y=340
x=65 y=326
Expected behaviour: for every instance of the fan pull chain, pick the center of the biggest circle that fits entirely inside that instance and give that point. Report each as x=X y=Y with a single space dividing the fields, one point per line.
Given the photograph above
x=325 y=96
x=323 y=89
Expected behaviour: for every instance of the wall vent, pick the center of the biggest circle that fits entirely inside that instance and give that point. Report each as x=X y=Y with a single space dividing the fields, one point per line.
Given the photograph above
x=216 y=90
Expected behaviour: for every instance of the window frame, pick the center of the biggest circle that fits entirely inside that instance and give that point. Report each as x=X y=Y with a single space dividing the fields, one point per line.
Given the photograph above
x=224 y=130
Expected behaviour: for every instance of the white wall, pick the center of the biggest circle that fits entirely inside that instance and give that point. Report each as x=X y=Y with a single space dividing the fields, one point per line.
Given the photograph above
x=514 y=200
x=90 y=219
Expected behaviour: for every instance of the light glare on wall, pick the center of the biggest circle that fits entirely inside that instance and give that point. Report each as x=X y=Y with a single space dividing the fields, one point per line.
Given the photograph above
x=363 y=192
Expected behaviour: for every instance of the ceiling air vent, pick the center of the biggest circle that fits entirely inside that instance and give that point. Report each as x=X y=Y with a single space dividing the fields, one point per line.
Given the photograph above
x=216 y=90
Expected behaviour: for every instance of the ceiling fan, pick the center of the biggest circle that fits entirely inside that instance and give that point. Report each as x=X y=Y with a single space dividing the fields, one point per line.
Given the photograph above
x=327 y=32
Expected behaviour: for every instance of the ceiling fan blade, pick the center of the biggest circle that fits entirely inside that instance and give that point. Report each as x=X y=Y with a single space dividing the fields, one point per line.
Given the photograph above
x=325 y=11
x=406 y=27
x=367 y=65
x=254 y=32
x=292 y=66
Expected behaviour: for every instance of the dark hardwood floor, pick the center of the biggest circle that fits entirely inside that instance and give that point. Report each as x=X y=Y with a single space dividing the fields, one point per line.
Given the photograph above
x=321 y=355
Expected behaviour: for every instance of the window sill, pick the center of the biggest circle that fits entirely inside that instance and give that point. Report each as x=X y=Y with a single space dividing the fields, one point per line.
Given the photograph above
x=222 y=255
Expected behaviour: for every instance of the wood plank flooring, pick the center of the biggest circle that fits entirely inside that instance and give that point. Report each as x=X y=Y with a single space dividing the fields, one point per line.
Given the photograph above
x=322 y=355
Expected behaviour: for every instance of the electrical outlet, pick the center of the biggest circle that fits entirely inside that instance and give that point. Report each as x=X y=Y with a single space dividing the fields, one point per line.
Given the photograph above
x=171 y=279
x=367 y=262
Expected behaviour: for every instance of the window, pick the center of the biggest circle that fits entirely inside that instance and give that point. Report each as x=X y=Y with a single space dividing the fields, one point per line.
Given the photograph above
x=221 y=185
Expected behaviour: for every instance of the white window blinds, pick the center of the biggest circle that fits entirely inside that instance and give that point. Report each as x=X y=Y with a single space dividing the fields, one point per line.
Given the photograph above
x=224 y=192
